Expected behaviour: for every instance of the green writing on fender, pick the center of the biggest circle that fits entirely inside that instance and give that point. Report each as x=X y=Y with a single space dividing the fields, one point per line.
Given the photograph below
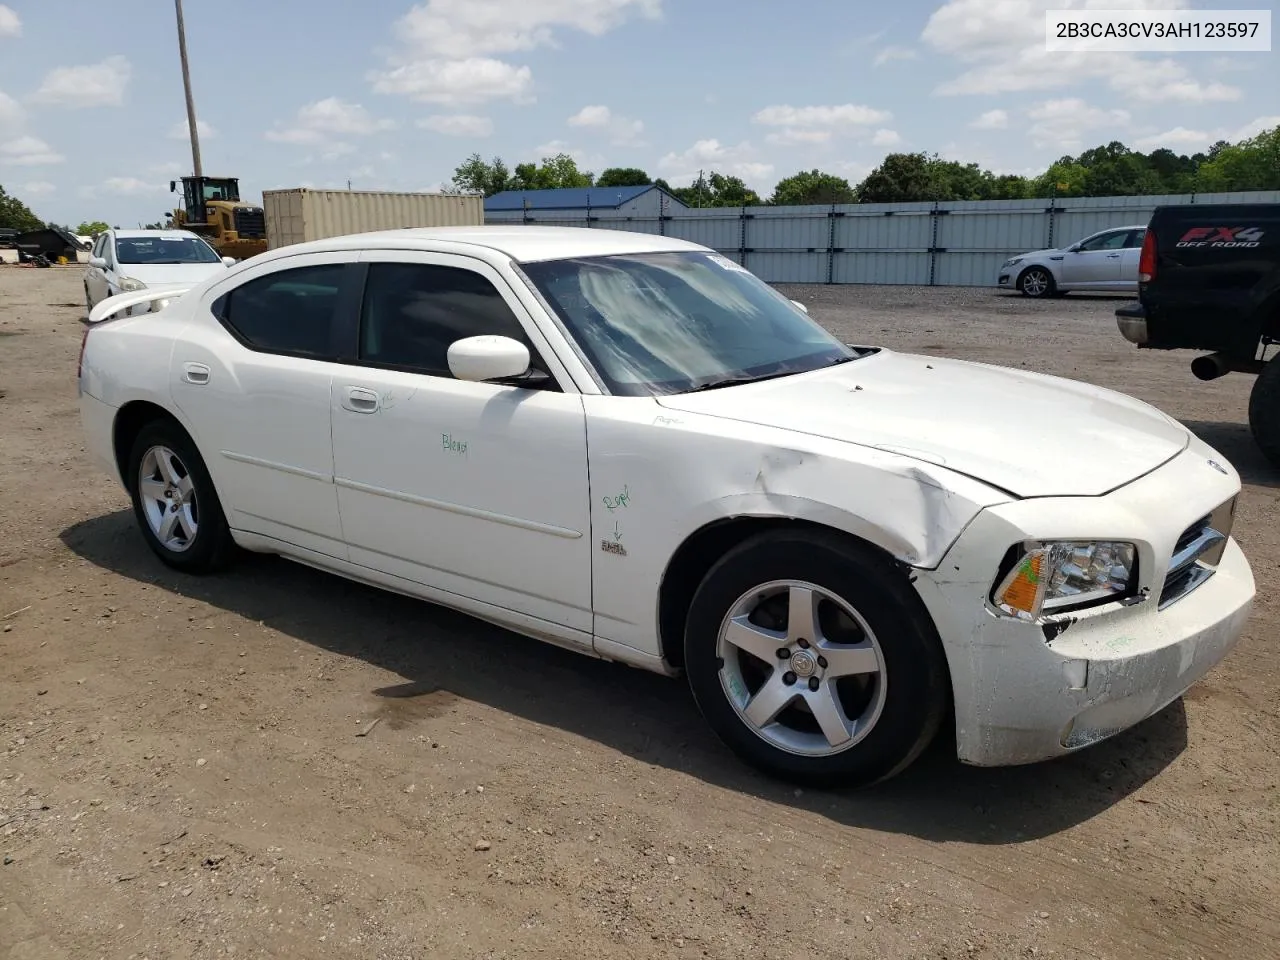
x=453 y=446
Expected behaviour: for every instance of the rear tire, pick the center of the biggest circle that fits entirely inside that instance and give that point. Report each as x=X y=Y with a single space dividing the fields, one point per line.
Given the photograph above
x=174 y=500
x=1036 y=282
x=845 y=690
x=1264 y=411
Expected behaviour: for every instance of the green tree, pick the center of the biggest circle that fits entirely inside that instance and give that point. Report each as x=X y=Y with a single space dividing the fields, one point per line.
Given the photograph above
x=1252 y=164
x=474 y=175
x=812 y=186
x=623 y=177
x=1064 y=178
x=91 y=227
x=16 y=215
x=553 y=173
x=900 y=178
x=717 y=190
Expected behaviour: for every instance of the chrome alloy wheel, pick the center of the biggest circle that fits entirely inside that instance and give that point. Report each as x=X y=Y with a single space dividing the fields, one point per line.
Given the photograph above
x=168 y=498
x=801 y=668
x=1035 y=283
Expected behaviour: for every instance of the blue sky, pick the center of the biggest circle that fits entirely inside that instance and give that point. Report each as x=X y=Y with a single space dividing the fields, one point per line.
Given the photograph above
x=393 y=95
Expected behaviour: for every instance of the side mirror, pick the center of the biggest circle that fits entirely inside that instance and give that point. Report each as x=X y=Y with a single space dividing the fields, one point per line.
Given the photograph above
x=173 y=186
x=1074 y=248
x=488 y=358
x=229 y=261
x=98 y=262
x=797 y=303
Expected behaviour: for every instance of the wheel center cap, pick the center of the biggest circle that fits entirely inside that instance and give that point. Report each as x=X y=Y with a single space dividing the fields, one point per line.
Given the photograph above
x=803 y=663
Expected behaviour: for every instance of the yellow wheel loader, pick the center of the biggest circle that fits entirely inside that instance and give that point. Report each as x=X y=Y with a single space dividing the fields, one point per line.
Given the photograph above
x=211 y=207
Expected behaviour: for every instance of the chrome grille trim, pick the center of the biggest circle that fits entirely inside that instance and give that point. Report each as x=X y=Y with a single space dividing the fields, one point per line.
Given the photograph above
x=1197 y=553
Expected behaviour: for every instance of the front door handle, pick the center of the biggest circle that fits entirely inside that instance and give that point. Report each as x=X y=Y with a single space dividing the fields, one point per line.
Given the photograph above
x=360 y=400
x=197 y=373
x=1113 y=256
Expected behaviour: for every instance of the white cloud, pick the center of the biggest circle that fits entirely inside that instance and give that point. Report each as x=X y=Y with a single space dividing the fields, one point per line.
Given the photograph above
x=1062 y=123
x=816 y=124
x=592 y=116
x=622 y=130
x=711 y=154
x=1182 y=138
x=457 y=29
x=168 y=169
x=10 y=25
x=132 y=186
x=448 y=47
x=475 y=80
x=28 y=152
x=844 y=115
x=889 y=54
x=95 y=85
x=991 y=120
x=321 y=121
x=1002 y=47
x=179 y=131
x=37 y=188
x=458 y=125
x=11 y=113
x=886 y=138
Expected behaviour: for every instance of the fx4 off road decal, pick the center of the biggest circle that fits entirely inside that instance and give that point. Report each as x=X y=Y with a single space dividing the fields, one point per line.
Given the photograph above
x=1221 y=237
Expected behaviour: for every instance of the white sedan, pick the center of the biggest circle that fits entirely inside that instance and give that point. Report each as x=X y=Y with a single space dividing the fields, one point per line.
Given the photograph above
x=629 y=445
x=125 y=261
x=1107 y=260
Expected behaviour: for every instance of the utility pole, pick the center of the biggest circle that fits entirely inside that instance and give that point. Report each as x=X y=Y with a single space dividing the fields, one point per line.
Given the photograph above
x=186 y=83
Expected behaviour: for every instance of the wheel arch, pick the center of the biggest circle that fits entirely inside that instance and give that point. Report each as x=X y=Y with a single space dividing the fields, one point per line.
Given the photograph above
x=700 y=550
x=129 y=421
x=1053 y=276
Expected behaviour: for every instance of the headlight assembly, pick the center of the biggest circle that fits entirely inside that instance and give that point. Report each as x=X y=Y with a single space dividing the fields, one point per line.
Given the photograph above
x=1061 y=575
x=129 y=285
x=1012 y=262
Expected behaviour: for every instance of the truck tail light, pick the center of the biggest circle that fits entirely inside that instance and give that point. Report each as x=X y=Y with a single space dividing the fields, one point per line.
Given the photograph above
x=1147 y=261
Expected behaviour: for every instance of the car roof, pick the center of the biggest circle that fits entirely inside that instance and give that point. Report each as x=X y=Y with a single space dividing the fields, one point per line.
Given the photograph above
x=127 y=234
x=525 y=244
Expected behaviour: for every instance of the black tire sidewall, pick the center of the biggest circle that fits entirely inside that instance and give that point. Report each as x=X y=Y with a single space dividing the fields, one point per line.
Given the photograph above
x=213 y=537
x=917 y=692
x=1264 y=412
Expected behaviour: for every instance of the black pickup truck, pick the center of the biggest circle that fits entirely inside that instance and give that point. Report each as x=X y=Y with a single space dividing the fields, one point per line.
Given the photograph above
x=1209 y=279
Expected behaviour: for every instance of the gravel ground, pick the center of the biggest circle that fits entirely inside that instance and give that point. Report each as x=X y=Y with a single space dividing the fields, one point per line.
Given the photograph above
x=182 y=775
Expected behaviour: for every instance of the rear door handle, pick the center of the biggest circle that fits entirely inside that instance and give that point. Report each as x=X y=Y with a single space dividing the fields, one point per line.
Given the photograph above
x=196 y=373
x=360 y=400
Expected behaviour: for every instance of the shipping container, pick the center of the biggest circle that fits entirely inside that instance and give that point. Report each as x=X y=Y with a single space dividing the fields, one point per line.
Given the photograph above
x=302 y=214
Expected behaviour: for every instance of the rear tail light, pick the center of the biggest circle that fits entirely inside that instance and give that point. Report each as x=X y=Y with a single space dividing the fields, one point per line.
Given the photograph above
x=1147 y=261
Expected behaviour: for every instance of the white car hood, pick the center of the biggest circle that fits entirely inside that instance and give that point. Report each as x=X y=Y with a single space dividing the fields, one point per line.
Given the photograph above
x=1028 y=434
x=1038 y=254
x=170 y=274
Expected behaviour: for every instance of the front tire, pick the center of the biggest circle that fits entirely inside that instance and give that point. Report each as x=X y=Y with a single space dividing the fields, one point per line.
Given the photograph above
x=814 y=661
x=1264 y=412
x=1036 y=282
x=175 y=502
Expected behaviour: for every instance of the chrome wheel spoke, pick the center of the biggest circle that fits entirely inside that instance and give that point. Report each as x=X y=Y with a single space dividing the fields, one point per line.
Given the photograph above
x=757 y=641
x=167 y=525
x=769 y=701
x=829 y=713
x=186 y=523
x=151 y=489
x=165 y=462
x=847 y=660
x=186 y=488
x=802 y=615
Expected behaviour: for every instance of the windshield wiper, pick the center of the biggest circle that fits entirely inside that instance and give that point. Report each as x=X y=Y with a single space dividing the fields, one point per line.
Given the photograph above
x=736 y=381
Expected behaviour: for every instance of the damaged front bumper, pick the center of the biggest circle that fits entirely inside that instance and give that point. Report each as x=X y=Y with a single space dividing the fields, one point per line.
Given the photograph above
x=1031 y=691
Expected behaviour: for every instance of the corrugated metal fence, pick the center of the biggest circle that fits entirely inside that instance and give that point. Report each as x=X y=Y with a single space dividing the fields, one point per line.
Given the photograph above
x=957 y=243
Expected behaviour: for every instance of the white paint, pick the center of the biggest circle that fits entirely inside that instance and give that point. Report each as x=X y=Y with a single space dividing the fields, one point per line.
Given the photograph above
x=562 y=516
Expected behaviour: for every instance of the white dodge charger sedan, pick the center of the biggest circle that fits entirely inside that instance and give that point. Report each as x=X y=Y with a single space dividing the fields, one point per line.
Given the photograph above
x=631 y=446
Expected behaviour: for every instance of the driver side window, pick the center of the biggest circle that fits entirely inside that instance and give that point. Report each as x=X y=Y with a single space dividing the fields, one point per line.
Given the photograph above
x=412 y=312
x=1106 y=241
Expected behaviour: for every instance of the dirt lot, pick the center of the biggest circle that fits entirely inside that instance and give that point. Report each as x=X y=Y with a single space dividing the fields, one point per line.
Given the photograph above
x=182 y=773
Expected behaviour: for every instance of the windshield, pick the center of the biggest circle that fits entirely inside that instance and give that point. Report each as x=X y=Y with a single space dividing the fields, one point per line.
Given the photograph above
x=164 y=250
x=661 y=323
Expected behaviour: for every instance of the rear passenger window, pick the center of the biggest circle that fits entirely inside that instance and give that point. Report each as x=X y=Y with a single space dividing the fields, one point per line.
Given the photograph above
x=413 y=311
x=286 y=312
